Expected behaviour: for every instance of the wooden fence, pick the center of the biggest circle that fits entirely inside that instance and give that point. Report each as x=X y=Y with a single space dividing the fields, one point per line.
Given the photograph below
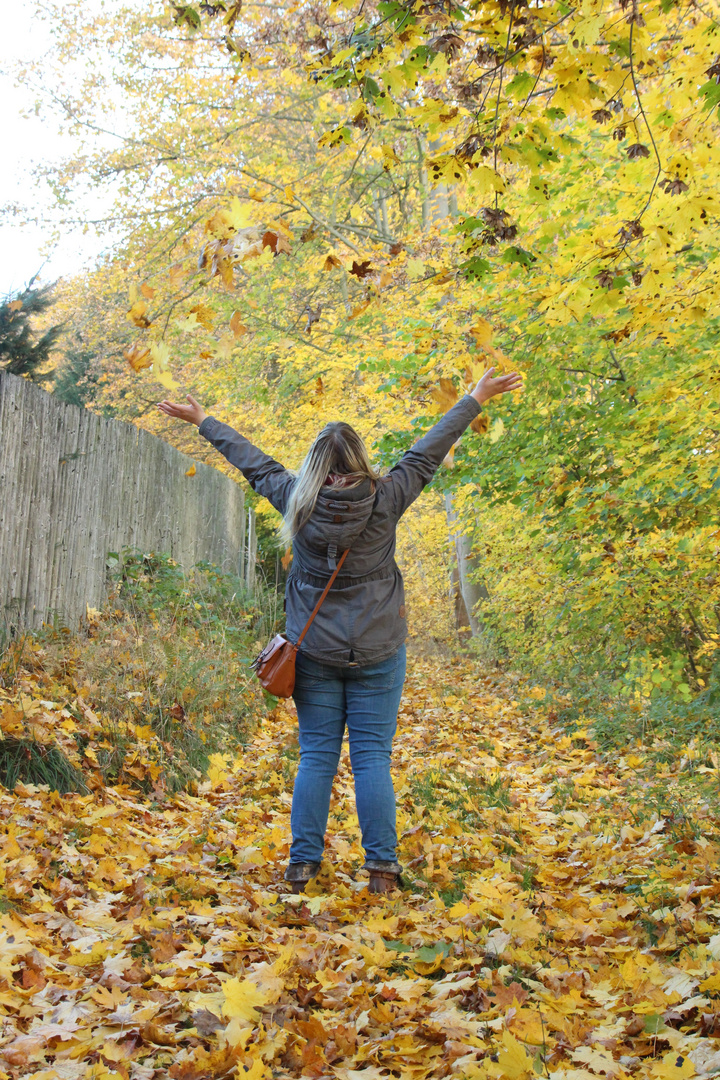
x=75 y=486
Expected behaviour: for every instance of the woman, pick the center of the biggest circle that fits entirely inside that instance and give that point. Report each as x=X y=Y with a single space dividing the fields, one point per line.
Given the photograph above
x=351 y=665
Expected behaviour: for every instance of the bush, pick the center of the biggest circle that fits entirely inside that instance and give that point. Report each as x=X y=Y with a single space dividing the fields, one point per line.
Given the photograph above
x=157 y=682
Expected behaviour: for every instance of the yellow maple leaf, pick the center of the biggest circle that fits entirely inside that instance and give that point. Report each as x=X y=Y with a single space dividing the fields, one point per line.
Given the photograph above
x=161 y=365
x=513 y=1058
x=482 y=332
x=497 y=430
x=243 y=999
x=191 y=471
x=674 y=1066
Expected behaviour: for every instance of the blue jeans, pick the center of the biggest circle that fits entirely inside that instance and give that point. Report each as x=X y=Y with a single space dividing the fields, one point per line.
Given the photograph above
x=366 y=699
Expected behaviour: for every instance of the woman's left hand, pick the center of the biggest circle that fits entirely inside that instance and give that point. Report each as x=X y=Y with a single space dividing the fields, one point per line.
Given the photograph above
x=192 y=413
x=489 y=386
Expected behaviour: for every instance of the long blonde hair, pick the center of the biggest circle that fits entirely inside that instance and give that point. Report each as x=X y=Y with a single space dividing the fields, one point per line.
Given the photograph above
x=337 y=449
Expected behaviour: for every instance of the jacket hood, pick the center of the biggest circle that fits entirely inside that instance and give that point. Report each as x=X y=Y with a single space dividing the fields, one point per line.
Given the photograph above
x=338 y=519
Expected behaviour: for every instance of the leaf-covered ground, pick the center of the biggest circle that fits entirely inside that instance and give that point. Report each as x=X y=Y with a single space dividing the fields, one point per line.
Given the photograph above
x=555 y=922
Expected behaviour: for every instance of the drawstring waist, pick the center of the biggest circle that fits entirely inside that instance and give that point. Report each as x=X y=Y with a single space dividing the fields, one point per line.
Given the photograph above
x=340 y=581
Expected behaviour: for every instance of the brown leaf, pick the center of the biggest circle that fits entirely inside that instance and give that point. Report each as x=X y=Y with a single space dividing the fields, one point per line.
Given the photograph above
x=147 y=291
x=204 y=1064
x=637 y=150
x=206 y=1022
x=277 y=243
x=330 y=262
x=450 y=44
x=306 y=995
x=505 y=995
x=153 y=1033
x=361 y=269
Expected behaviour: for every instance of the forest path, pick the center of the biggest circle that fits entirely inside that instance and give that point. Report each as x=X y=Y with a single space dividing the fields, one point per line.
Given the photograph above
x=553 y=924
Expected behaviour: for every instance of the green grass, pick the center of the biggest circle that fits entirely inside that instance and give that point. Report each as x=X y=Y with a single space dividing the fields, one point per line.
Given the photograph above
x=31 y=762
x=465 y=794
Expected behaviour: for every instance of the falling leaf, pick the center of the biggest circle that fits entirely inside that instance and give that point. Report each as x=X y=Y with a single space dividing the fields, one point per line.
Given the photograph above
x=276 y=242
x=482 y=333
x=191 y=471
x=161 y=365
x=137 y=316
x=361 y=269
x=236 y=324
x=390 y=158
x=444 y=394
x=138 y=357
x=176 y=274
x=497 y=430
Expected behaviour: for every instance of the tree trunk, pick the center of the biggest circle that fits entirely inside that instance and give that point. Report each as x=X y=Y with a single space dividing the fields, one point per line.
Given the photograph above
x=467 y=594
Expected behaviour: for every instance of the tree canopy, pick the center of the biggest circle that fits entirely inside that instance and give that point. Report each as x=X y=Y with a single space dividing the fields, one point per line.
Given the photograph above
x=337 y=209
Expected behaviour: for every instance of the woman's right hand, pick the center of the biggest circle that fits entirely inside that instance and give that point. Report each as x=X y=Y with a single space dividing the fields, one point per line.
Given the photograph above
x=192 y=413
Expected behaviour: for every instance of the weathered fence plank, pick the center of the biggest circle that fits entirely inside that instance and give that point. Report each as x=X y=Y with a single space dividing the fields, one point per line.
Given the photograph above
x=75 y=486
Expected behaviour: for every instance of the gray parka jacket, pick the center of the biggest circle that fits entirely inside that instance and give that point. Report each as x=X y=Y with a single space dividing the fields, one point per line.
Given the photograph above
x=362 y=620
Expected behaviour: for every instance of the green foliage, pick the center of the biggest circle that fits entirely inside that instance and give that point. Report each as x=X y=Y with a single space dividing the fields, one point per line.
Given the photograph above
x=75 y=381
x=24 y=351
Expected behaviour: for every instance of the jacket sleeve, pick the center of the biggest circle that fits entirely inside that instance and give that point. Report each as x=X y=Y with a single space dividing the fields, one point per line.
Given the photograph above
x=417 y=467
x=265 y=475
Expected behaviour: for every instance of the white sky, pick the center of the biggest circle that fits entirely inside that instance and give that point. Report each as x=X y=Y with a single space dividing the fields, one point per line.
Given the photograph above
x=25 y=247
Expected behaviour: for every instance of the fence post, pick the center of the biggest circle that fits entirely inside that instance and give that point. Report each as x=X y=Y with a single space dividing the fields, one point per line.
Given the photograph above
x=251 y=550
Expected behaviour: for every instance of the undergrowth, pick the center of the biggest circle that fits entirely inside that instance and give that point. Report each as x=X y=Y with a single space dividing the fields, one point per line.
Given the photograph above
x=155 y=684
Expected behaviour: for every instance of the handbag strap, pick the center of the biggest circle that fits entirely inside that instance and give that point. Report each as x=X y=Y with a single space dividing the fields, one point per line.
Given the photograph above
x=319 y=604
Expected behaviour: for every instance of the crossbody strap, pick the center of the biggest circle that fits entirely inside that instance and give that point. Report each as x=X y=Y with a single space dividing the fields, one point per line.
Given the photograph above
x=326 y=590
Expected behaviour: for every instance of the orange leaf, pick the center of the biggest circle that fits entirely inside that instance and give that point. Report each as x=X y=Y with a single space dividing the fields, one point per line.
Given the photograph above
x=444 y=394
x=237 y=325
x=138 y=357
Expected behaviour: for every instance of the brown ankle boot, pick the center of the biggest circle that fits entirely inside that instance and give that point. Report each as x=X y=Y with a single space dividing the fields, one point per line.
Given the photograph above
x=383 y=881
x=298 y=874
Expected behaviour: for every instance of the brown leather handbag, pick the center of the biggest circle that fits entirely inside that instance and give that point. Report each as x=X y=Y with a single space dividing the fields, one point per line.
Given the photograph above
x=275 y=666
